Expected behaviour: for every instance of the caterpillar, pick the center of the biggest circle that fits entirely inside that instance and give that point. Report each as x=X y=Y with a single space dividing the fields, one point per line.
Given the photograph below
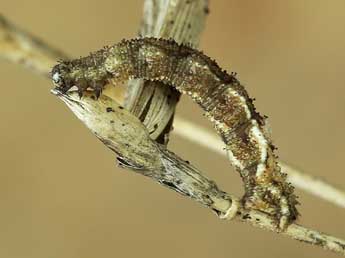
x=220 y=95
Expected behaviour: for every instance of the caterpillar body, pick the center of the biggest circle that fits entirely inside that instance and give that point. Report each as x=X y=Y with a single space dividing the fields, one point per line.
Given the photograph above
x=220 y=95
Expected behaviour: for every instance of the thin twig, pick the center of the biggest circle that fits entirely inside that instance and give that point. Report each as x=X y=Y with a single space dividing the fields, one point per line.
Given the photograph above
x=316 y=186
x=19 y=46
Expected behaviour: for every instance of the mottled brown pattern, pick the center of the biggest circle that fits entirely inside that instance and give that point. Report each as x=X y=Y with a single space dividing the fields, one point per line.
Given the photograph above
x=220 y=94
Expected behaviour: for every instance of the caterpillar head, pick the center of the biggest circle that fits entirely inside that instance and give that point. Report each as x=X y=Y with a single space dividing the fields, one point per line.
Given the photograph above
x=61 y=76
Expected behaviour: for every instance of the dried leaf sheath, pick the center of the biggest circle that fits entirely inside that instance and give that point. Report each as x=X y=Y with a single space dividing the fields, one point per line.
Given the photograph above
x=223 y=98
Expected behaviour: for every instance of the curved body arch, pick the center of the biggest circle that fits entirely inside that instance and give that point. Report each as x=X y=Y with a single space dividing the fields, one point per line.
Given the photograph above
x=220 y=95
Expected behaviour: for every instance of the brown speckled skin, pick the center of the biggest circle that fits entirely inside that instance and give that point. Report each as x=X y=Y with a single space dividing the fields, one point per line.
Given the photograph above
x=193 y=73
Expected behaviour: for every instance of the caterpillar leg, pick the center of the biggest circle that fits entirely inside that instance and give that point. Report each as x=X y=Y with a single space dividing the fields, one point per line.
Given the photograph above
x=274 y=201
x=98 y=88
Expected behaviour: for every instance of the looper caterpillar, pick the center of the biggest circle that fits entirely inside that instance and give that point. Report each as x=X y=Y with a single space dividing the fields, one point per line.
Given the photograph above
x=221 y=96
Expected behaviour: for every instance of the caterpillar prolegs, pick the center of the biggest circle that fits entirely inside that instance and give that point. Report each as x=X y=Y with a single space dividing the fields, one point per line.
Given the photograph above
x=221 y=96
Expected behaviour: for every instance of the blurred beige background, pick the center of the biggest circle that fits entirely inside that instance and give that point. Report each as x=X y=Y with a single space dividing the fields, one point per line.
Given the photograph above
x=60 y=192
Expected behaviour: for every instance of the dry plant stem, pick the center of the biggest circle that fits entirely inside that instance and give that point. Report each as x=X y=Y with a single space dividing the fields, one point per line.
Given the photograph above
x=129 y=139
x=19 y=46
x=316 y=186
x=126 y=136
x=153 y=102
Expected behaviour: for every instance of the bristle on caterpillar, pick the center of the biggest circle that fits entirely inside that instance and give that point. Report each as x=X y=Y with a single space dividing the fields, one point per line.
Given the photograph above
x=221 y=96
